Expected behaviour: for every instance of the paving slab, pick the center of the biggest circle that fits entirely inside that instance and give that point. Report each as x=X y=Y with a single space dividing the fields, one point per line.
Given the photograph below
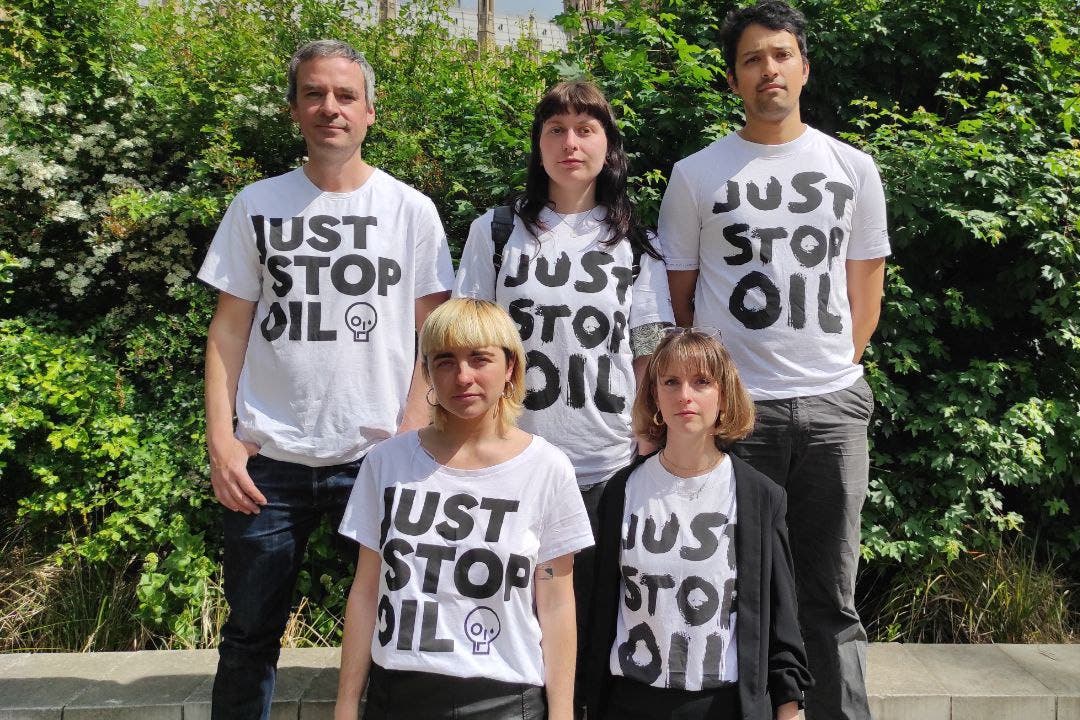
x=10 y=661
x=1068 y=708
x=150 y=685
x=905 y=682
x=985 y=682
x=910 y=707
x=320 y=696
x=1056 y=666
x=41 y=684
x=1012 y=707
x=901 y=688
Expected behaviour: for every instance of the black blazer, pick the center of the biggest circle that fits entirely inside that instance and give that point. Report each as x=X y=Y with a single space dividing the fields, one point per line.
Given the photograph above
x=772 y=661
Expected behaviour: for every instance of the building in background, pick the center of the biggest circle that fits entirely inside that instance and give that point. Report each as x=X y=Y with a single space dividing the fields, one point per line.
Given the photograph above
x=491 y=28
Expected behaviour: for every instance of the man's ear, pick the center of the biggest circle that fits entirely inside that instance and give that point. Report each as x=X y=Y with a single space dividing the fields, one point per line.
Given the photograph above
x=732 y=82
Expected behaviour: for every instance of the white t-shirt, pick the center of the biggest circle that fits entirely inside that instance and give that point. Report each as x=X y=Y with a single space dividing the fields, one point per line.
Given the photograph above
x=676 y=624
x=575 y=301
x=459 y=549
x=335 y=275
x=770 y=227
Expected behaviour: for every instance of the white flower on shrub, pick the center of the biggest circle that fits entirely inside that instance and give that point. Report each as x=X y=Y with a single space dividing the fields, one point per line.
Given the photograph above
x=78 y=285
x=103 y=251
x=69 y=210
x=101 y=128
x=30 y=102
x=177 y=276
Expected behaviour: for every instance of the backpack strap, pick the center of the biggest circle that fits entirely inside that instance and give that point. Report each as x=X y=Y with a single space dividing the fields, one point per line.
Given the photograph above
x=502 y=225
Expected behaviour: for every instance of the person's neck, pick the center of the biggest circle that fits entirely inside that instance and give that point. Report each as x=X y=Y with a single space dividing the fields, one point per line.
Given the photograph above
x=567 y=201
x=338 y=174
x=773 y=133
x=689 y=455
x=460 y=443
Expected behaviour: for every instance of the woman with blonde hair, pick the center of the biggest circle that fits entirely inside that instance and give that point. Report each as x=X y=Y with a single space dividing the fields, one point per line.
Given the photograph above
x=694 y=613
x=462 y=605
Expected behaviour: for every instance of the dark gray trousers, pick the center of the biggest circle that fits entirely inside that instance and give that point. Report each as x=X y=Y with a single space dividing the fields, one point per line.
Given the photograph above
x=815 y=447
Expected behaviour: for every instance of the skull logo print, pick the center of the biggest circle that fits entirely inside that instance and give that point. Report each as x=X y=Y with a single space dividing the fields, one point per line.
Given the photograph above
x=482 y=626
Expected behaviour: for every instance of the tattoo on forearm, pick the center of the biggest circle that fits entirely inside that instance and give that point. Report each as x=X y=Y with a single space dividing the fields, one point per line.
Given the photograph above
x=546 y=572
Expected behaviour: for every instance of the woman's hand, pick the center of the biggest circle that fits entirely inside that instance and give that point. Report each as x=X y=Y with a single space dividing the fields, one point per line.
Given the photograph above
x=554 y=583
x=356 y=640
x=788 y=711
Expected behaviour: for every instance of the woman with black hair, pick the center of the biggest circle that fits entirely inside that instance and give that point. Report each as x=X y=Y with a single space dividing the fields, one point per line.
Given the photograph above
x=585 y=285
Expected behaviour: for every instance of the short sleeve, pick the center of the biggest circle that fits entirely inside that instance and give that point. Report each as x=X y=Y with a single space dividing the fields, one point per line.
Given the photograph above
x=476 y=272
x=869 y=228
x=434 y=270
x=232 y=263
x=651 y=302
x=679 y=226
x=565 y=527
x=363 y=513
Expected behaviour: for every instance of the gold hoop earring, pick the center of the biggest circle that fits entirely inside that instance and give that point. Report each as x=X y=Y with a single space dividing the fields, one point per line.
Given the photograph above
x=427 y=396
x=508 y=391
x=657 y=420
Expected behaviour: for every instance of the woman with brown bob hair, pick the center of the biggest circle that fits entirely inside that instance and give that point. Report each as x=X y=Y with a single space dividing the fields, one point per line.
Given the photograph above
x=694 y=613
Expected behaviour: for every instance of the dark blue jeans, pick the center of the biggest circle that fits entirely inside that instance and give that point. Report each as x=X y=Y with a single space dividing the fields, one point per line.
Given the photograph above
x=262 y=560
x=815 y=447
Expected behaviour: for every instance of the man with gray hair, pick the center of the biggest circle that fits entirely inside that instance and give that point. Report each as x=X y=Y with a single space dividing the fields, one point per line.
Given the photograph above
x=324 y=273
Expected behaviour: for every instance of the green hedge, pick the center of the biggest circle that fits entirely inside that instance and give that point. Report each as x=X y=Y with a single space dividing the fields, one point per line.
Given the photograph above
x=125 y=131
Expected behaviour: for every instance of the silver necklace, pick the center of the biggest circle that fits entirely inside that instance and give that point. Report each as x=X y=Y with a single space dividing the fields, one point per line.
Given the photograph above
x=576 y=226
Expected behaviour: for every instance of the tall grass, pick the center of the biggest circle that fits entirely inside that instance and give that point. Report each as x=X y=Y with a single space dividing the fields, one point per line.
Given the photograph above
x=78 y=606
x=1002 y=595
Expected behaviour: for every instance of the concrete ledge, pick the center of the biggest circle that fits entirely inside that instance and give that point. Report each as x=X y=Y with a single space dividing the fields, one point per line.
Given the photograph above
x=906 y=682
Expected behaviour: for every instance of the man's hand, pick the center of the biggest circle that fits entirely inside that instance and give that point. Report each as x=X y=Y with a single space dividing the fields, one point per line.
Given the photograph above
x=226 y=344
x=865 y=286
x=682 y=284
x=233 y=486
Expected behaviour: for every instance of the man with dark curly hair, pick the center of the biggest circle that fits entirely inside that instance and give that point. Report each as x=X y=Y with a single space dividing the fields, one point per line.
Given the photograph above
x=776 y=234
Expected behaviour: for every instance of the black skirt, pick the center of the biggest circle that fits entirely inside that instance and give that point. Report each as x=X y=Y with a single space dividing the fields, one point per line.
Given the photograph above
x=408 y=695
x=632 y=700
